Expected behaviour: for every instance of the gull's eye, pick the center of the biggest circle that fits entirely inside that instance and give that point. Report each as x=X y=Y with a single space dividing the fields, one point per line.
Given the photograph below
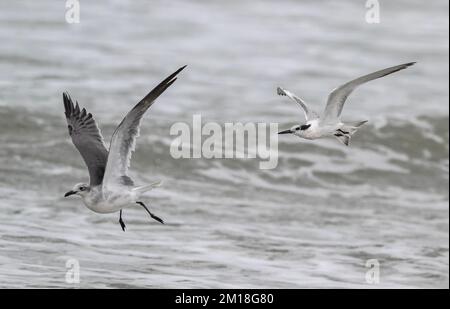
x=82 y=188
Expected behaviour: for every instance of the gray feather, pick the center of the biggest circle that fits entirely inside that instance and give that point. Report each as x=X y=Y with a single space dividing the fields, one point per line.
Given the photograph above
x=338 y=96
x=87 y=139
x=124 y=138
x=309 y=114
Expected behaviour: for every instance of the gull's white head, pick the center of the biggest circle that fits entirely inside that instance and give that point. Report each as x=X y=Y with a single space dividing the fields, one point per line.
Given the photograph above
x=299 y=130
x=80 y=189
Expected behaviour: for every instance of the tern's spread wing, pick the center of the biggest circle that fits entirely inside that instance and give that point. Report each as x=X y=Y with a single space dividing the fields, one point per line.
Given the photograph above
x=337 y=97
x=87 y=138
x=309 y=114
x=124 y=138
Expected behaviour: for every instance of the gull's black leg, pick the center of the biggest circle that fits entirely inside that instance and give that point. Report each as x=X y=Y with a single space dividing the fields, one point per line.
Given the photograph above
x=121 y=221
x=151 y=215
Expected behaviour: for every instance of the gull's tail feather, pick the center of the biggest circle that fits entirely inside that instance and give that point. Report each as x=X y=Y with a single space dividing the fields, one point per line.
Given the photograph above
x=142 y=189
x=344 y=134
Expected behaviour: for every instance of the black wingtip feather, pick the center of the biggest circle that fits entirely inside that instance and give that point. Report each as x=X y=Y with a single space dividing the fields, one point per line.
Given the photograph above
x=169 y=83
x=280 y=91
x=171 y=76
x=68 y=104
x=406 y=65
x=162 y=86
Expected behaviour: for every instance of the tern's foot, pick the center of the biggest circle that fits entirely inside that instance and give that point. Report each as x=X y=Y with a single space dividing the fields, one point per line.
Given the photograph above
x=122 y=224
x=151 y=215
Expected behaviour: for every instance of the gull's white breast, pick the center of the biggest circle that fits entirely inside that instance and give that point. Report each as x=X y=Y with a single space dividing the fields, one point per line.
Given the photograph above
x=110 y=201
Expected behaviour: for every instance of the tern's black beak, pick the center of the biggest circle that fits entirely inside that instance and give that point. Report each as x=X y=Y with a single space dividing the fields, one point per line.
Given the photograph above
x=285 y=132
x=69 y=193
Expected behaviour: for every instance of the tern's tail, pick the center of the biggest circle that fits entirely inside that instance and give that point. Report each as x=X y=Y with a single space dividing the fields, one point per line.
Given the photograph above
x=142 y=189
x=344 y=134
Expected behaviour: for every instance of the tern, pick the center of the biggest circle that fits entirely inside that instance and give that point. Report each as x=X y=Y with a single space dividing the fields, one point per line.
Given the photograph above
x=329 y=123
x=110 y=189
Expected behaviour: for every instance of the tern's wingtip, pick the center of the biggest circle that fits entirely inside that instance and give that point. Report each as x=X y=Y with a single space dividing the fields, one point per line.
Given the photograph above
x=280 y=91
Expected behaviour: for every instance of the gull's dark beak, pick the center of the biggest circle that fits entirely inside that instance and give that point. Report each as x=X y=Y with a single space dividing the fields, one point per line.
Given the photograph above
x=285 y=132
x=69 y=193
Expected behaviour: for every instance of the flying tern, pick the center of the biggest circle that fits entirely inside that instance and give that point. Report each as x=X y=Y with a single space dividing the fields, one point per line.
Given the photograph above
x=329 y=122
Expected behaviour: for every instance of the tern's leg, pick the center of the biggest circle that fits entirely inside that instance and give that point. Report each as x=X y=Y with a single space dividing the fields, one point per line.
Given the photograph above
x=151 y=215
x=121 y=221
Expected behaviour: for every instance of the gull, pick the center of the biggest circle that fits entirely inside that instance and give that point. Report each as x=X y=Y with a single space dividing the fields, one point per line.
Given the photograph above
x=110 y=189
x=329 y=123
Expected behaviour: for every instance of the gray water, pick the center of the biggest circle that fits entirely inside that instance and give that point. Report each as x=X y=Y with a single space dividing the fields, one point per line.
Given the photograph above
x=313 y=221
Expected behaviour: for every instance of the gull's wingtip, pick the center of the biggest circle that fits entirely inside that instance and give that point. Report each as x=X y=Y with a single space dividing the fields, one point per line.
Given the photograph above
x=180 y=69
x=67 y=101
x=67 y=98
x=172 y=78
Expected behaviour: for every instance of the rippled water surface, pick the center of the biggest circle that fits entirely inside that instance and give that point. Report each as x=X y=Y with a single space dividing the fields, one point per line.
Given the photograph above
x=313 y=221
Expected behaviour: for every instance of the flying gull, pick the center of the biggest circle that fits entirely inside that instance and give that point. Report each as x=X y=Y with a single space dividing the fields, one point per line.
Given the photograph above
x=329 y=123
x=110 y=189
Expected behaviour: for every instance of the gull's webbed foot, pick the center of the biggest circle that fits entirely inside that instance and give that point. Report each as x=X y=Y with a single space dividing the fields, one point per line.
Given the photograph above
x=122 y=224
x=151 y=215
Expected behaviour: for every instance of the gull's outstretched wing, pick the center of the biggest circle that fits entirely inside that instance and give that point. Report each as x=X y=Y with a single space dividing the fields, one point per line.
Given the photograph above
x=87 y=138
x=124 y=138
x=309 y=114
x=337 y=97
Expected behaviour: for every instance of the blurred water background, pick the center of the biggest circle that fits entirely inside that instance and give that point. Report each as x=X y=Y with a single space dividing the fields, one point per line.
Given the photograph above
x=313 y=221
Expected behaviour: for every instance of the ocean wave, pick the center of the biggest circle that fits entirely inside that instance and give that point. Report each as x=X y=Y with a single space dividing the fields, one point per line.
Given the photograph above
x=400 y=153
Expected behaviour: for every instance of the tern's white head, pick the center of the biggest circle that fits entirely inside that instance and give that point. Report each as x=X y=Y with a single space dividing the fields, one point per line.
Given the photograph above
x=299 y=130
x=80 y=189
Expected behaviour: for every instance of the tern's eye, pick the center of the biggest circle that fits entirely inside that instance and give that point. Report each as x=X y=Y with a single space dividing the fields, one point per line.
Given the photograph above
x=305 y=127
x=82 y=188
